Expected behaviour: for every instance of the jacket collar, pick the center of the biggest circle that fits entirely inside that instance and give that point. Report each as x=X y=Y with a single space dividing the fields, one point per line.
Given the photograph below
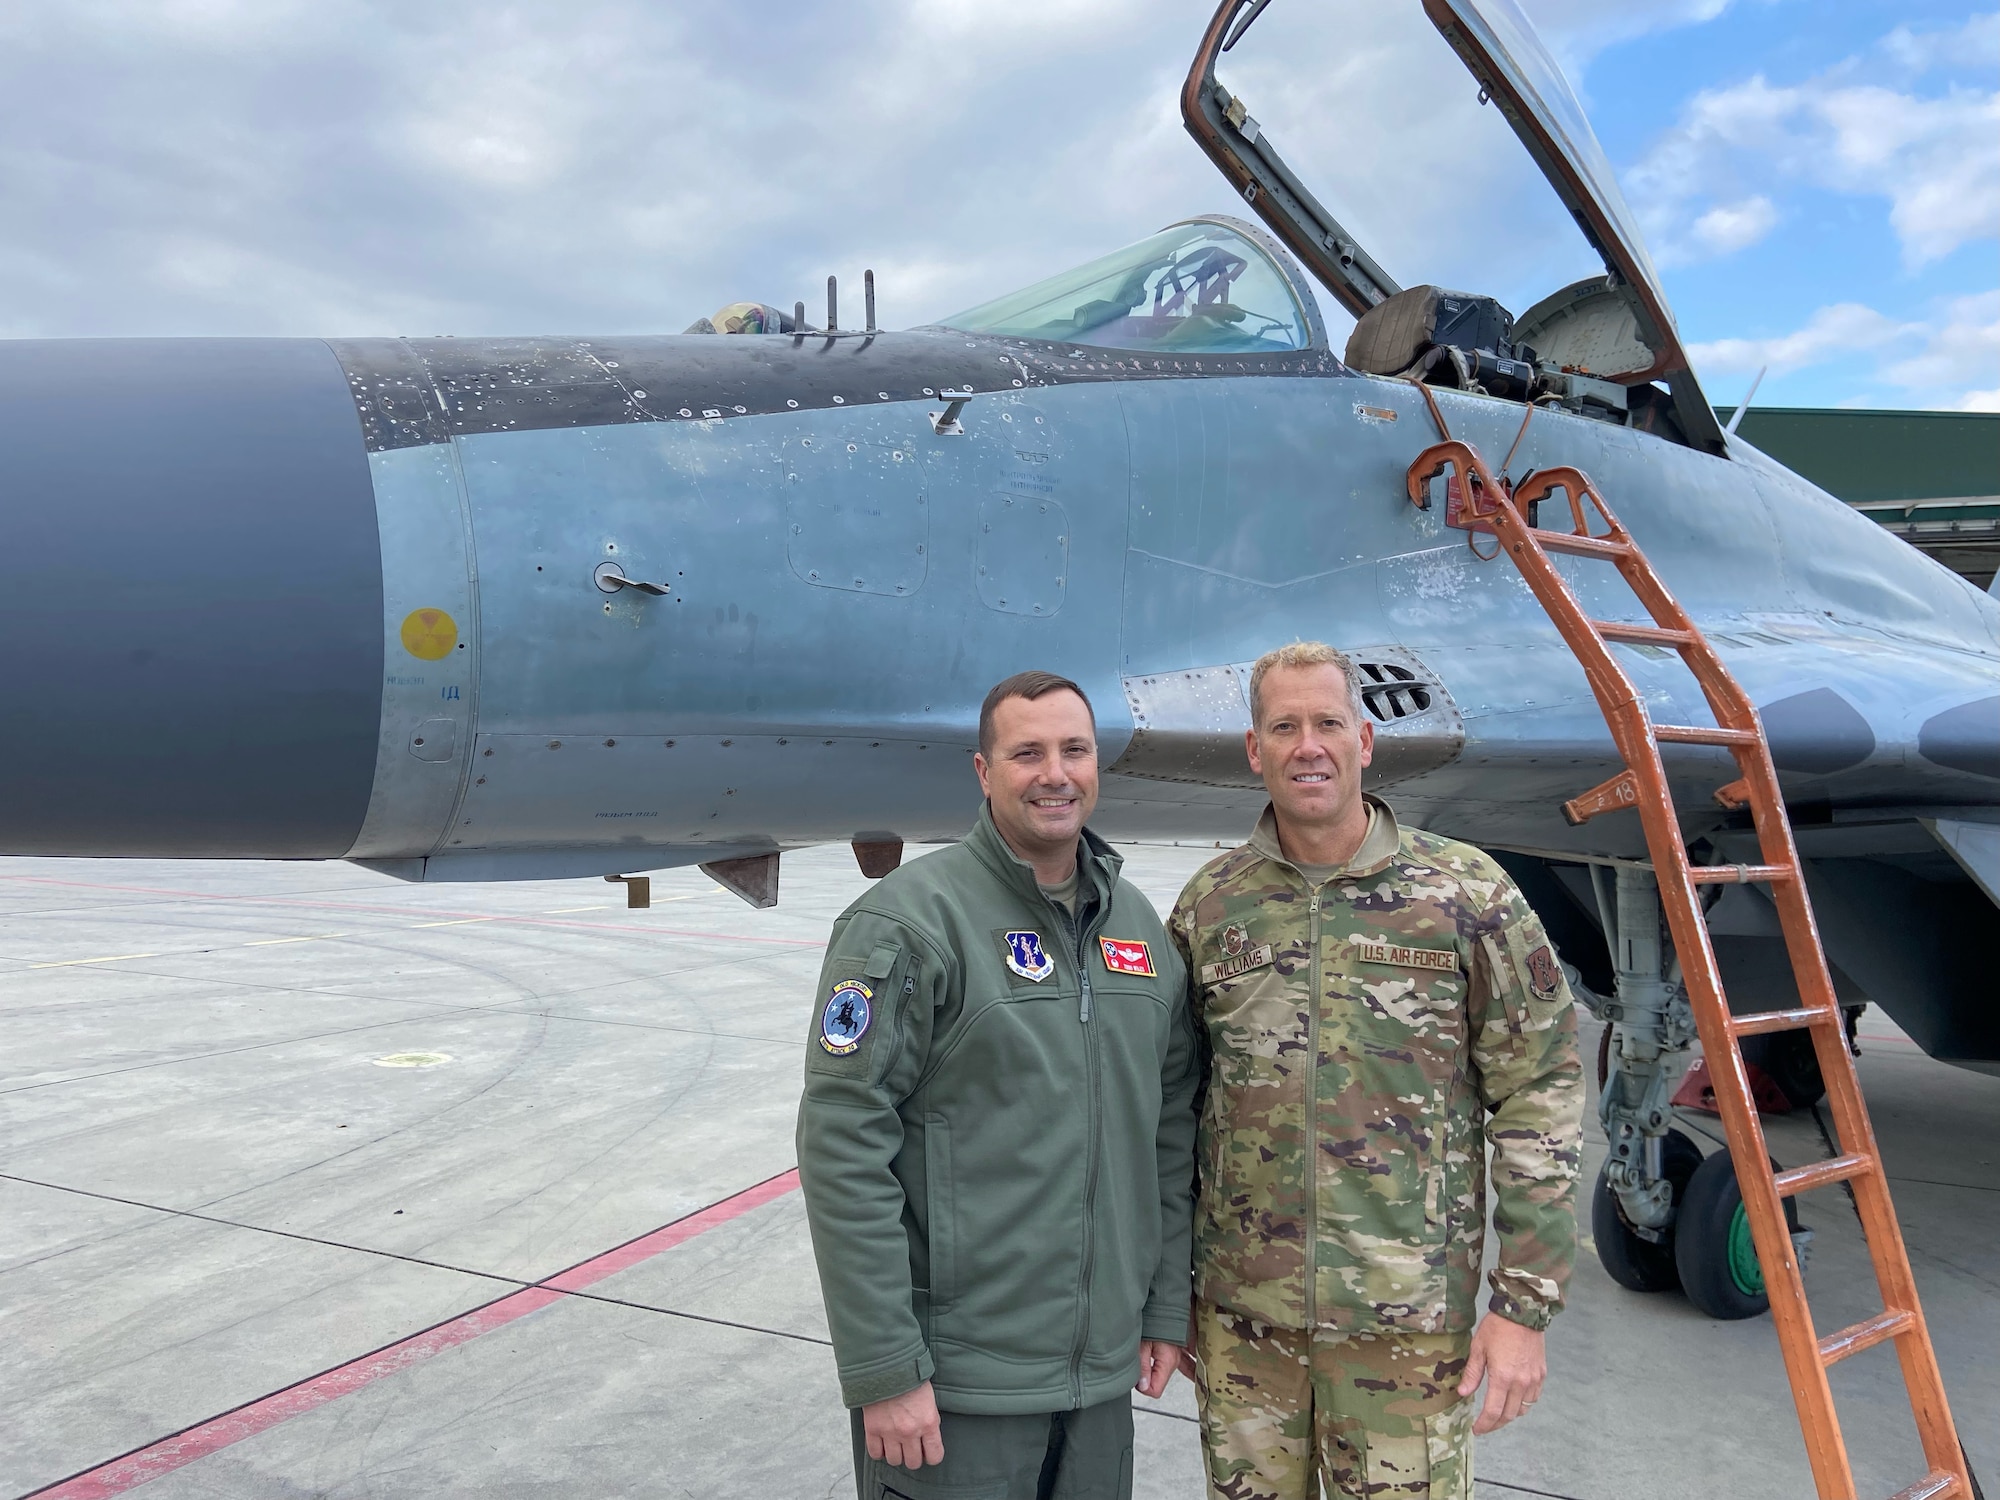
x=1378 y=846
x=1096 y=862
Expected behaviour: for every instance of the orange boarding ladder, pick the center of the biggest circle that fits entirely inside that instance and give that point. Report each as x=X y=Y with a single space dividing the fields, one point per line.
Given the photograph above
x=1477 y=501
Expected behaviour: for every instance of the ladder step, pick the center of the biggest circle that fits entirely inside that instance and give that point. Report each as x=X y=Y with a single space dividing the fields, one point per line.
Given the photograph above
x=1642 y=635
x=1821 y=1174
x=1864 y=1335
x=1778 y=1020
x=1620 y=791
x=1737 y=874
x=1696 y=734
x=1931 y=1487
x=1583 y=546
x=1735 y=795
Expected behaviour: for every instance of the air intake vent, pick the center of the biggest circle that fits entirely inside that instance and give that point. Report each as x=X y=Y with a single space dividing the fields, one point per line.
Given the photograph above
x=1187 y=725
x=1392 y=692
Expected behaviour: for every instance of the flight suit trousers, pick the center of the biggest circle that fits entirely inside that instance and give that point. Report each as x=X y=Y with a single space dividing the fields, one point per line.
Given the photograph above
x=1064 y=1455
x=1374 y=1415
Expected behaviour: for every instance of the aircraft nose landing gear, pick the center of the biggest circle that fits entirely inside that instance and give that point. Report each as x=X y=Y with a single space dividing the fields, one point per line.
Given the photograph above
x=1649 y=1166
x=1638 y=1258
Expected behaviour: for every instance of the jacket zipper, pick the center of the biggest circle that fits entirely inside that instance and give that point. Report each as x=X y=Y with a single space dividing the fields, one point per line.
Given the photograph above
x=1312 y=1118
x=1081 y=933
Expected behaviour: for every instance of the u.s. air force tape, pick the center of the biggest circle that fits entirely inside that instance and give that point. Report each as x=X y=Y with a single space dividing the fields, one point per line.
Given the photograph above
x=1444 y=960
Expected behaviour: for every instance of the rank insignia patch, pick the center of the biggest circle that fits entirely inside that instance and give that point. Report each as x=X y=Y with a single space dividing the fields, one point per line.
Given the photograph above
x=1026 y=958
x=1542 y=971
x=845 y=1020
x=1121 y=957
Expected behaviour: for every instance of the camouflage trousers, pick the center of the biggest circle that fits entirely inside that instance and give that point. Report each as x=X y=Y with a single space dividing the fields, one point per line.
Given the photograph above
x=1375 y=1415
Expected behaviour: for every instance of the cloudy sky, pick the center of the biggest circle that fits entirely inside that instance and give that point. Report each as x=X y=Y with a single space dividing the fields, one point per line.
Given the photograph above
x=1820 y=179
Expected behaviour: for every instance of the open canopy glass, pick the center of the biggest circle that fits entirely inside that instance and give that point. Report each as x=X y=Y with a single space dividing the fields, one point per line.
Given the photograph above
x=1197 y=288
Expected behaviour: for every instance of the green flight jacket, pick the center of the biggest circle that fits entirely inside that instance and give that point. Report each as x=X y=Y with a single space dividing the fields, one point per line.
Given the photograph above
x=998 y=1168
x=1368 y=1039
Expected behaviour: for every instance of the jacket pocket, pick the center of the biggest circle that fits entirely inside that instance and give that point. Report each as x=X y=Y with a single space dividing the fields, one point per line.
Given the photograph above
x=941 y=1207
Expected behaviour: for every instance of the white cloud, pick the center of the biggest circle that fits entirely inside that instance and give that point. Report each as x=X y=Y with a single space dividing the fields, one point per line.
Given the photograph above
x=1733 y=226
x=1845 y=328
x=1935 y=362
x=1935 y=156
x=1962 y=349
x=1976 y=42
x=362 y=166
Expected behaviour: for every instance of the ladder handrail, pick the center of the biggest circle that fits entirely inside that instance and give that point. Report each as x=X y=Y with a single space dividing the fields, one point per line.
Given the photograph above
x=1485 y=503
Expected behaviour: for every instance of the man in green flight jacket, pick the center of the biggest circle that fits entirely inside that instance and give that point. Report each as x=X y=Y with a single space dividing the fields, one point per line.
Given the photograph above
x=997 y=1138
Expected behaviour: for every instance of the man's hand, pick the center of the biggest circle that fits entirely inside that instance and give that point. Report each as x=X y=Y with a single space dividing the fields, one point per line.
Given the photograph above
x=1158 y=1360
x=1512 y=1361
x=904 y=1429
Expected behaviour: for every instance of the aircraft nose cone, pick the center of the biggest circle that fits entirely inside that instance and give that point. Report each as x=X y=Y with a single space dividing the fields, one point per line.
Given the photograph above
x=190 y=599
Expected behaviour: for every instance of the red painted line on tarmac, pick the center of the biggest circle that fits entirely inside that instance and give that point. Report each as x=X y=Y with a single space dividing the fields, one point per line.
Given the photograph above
x=410 y=911
x=143 y=1465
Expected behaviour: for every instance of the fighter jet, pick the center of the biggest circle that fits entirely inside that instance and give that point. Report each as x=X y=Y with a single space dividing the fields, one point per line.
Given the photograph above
x=489 y=609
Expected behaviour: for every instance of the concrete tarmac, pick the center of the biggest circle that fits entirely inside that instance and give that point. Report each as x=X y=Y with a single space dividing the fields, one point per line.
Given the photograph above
x=258 y=1121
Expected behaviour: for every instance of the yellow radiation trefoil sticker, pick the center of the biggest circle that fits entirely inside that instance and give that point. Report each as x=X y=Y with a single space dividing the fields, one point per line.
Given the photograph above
x=429 y=634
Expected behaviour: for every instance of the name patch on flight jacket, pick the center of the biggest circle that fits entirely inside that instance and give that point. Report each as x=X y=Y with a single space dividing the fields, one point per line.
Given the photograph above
x=1444 y=960
x=1126 y=956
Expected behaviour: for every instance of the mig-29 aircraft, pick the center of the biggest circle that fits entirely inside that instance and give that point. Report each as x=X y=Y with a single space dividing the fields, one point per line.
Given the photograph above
x=487 y=609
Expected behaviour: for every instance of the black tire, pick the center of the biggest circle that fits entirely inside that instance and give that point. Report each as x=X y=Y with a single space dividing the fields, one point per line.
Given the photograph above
x=1718 y=1264
x=1787 y=1058
x=1640 y=1265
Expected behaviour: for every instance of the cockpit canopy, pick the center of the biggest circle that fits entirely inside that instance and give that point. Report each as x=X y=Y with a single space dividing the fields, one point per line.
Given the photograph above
x=1200 y=287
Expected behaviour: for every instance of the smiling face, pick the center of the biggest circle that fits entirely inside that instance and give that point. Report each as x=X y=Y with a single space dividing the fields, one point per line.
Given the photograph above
x=1042 y=777
x=1310 y=747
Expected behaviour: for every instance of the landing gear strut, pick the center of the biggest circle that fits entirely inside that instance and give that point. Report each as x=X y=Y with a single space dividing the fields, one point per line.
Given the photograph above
x=1649 y=1166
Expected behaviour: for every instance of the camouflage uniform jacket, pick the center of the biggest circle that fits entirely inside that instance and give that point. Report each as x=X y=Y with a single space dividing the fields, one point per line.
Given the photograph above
x=1375 y=1025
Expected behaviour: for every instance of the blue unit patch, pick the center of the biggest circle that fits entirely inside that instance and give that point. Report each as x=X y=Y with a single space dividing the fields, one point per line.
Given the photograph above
x=845 y=1020
x=1026 y=958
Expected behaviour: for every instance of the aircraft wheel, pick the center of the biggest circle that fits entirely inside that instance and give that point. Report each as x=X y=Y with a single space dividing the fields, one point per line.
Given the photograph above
x=1713 y=1250
x=1789 y=1061
x=1641 y=1265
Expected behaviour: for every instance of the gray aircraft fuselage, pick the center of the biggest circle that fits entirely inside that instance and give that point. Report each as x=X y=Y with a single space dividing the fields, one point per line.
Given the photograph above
x=216 y=550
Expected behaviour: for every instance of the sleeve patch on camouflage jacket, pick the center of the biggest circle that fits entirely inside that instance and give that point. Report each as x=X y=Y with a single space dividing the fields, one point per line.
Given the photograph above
x=1542 y=971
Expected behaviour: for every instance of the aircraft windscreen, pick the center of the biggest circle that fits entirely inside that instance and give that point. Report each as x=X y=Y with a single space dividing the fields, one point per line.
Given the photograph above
x=1510 y=38
x=1195 y=289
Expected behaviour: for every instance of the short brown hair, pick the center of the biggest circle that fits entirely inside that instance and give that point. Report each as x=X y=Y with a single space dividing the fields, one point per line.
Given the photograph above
x=1029 y=685
x=1303 y=654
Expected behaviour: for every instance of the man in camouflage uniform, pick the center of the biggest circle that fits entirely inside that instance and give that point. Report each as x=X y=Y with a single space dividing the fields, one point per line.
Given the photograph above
x=1380 y=1007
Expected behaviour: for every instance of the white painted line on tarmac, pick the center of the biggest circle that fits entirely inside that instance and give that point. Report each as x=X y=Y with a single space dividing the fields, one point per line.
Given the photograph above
x=109 y=958
x=316 y=937
x=455 y=922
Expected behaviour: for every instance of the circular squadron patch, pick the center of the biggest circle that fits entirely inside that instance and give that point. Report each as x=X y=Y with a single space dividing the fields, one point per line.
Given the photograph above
x=845 y=1020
